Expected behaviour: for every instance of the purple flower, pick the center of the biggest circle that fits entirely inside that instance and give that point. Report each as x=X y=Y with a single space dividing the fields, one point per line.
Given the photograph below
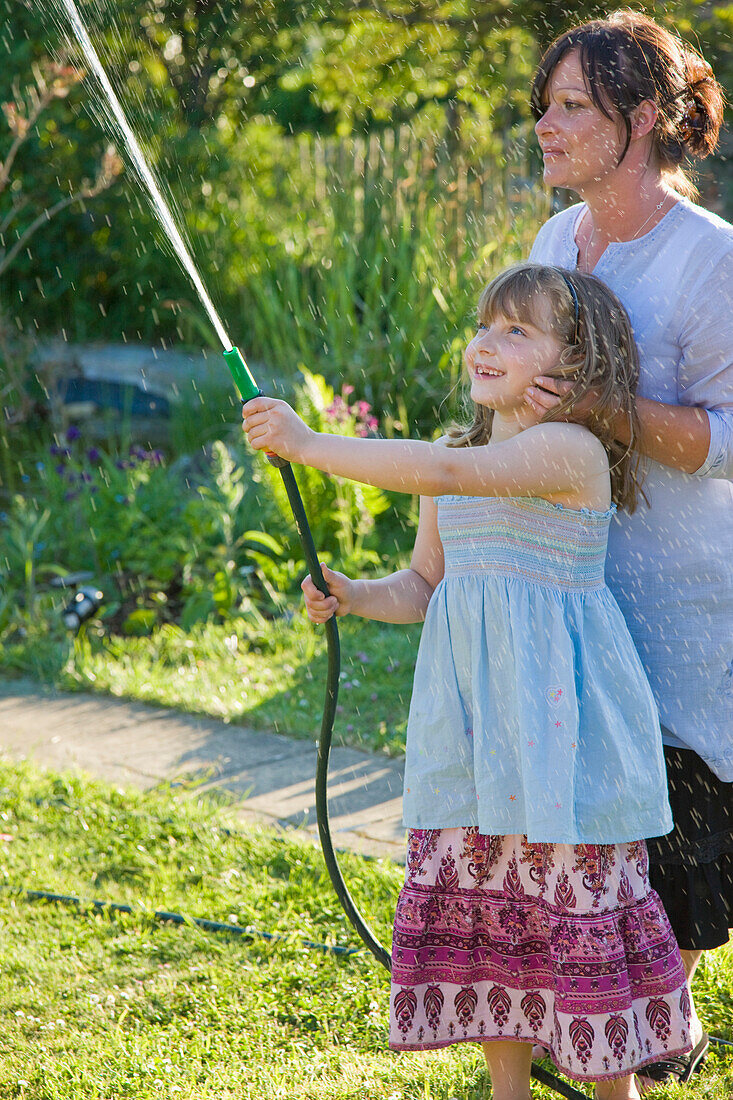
x=72 y=433
x=93 y=454
x=338 y=410
x=69 y=495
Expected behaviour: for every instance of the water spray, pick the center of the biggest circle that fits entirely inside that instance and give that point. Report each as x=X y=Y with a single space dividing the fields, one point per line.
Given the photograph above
x=248 y=388
x=147 y=178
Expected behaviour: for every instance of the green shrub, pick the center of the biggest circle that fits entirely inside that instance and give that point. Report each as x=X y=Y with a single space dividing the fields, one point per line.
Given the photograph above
x=202 y=539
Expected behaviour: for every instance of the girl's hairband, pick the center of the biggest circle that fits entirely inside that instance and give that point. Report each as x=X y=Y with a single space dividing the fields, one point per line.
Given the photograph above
x=576 y=305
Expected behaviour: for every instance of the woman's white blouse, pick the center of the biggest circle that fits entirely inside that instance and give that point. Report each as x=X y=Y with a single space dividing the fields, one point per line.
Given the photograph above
x=670 y=565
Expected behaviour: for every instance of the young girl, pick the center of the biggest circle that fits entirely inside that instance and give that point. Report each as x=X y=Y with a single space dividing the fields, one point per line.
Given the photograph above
x=534 y=762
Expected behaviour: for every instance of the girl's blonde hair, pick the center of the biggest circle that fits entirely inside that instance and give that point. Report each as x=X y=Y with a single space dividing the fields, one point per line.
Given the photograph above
x=599 y=357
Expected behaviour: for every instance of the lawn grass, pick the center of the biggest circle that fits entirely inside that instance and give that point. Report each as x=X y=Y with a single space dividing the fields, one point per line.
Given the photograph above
x=271 y=679
x=93 y=1006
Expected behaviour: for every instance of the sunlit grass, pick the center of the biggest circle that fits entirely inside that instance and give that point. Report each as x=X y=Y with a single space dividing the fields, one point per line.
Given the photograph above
x=93 y=1006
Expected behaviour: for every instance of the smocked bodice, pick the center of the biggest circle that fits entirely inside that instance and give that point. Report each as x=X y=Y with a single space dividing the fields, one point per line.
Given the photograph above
x=524 y=537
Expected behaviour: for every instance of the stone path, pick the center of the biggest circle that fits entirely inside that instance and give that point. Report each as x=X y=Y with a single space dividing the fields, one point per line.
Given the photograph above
x=272 y=777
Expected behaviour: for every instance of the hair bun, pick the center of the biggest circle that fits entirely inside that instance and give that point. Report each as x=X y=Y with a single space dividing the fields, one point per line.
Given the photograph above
x=704 y=103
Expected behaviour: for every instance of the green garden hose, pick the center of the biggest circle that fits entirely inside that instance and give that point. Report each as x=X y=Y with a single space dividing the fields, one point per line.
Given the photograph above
x=248 y=389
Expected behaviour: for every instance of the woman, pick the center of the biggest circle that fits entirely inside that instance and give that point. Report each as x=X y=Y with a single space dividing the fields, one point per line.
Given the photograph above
x=620 y=103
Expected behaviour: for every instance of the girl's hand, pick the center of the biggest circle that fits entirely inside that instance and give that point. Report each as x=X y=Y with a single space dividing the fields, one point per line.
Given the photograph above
x=320 y=608
x=273 y=426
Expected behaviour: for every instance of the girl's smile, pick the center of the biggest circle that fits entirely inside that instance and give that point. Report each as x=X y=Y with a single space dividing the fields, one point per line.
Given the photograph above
x=505 y=356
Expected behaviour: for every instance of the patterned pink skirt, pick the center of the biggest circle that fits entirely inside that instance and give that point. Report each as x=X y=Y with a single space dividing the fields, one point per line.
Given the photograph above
x=560 y=944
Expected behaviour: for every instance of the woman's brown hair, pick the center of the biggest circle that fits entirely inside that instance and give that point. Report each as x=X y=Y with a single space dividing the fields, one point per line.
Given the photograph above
x=600 y=358
x=627 y=58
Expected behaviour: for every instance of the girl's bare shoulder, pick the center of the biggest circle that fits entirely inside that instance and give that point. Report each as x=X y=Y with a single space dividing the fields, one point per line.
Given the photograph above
x=569 y=441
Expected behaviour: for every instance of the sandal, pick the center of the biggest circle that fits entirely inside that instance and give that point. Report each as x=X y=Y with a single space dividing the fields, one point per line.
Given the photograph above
x=681 y=1066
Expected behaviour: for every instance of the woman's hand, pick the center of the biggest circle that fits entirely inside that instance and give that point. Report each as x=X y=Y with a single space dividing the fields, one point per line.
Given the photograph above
x=272 y=426
x=320 y=608
x=547 y=393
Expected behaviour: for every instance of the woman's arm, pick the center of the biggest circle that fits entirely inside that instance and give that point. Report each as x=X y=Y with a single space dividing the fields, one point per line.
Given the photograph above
x=694 y=435
x=674 y=435
x=542 y=460
x=401 y=597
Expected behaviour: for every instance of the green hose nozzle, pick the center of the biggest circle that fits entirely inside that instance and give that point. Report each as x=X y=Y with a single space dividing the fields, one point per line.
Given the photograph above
x=241 y=374
x=248 y=389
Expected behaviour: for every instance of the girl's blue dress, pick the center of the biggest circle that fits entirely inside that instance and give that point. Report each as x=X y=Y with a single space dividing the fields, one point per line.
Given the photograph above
x=531 y=713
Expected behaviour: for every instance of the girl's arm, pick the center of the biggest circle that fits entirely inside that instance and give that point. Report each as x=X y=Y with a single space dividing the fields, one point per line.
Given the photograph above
x=401 y=597
x=539 y=461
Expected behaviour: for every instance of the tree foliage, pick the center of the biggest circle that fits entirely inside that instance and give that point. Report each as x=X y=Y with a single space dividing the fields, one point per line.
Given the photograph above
x=214 y=89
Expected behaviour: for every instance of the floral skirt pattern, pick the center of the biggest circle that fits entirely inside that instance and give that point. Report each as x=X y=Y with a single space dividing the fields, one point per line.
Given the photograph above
x=564 y=945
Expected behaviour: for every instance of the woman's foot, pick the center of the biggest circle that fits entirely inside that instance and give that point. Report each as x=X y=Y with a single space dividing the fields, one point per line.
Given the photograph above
x=690 y=960
x=680 y=1068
